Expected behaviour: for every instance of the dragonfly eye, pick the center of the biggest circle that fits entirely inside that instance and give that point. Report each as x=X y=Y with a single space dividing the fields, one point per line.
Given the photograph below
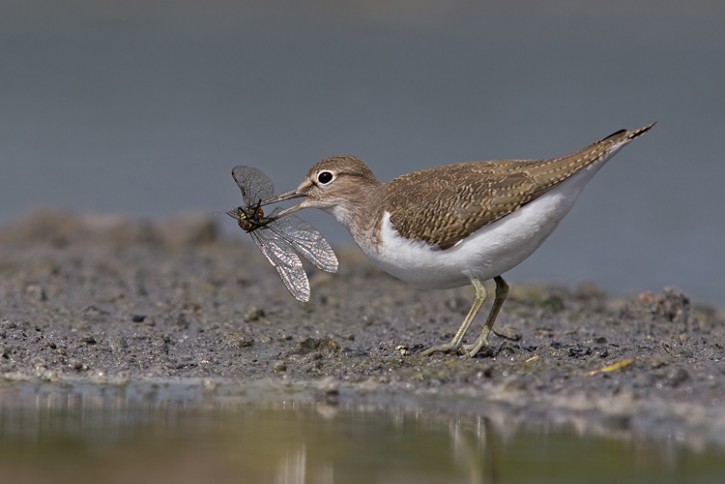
x=325 y=177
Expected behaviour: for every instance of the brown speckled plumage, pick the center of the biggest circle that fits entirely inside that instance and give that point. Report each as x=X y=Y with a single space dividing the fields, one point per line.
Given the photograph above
x=443 y=205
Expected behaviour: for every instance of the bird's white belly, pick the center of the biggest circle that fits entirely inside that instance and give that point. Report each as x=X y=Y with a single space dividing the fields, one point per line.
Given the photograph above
x=488 y=252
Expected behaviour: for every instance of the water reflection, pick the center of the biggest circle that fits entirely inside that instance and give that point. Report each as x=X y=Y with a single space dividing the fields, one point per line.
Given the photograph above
x=198 y=433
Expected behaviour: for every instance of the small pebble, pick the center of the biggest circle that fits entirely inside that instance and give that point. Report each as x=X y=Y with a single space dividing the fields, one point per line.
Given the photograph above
x=88 y=339
x=36 y=292
x=403 y=350
x=677 y=376
x=254 y=314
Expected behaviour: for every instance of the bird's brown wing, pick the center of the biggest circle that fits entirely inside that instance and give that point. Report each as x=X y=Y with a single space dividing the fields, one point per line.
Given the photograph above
x=441 y=206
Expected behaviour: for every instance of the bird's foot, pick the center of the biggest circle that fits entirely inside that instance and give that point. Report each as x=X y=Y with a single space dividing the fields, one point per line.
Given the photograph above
x=474 y=349
x=445 y=348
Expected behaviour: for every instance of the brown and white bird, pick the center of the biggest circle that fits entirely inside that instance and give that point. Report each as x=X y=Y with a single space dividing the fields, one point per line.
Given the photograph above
x=454 y=225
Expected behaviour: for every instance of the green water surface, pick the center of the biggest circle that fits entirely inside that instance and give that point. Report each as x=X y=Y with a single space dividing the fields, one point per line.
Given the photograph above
x=158 y=433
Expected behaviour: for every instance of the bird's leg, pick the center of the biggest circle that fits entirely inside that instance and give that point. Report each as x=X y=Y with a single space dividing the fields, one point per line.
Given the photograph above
x=455 y=343
x=502 y=289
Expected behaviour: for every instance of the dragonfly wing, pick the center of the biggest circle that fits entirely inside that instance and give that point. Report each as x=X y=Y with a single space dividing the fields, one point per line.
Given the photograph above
x=307 y=241
x=285 y=261
x=254 y=184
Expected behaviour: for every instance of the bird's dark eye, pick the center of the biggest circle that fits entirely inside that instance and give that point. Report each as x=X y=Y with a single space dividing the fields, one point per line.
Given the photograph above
x=325 y=177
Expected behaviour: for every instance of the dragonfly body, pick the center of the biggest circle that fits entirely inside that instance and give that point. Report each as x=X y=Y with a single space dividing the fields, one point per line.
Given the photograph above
x=250 y=218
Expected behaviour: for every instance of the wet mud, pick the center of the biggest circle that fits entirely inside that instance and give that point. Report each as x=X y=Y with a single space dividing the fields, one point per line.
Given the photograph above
x=104 y=299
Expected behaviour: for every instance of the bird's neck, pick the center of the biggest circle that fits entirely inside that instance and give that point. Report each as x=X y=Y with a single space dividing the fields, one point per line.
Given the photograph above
x=360 y=211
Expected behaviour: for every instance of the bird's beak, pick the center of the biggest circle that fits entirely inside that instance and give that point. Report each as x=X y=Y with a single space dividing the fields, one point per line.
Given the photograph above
x=281 y=198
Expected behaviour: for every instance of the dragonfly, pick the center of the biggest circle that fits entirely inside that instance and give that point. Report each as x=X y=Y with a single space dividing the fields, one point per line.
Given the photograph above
x=282 y=240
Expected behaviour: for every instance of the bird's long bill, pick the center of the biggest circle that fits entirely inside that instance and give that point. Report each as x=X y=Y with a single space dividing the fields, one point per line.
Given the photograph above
x=281 y=198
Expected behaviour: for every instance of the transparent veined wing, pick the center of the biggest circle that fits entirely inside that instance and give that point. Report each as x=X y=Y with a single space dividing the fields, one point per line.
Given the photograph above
x=306 y=241
x=254 y=184
x=284 y=259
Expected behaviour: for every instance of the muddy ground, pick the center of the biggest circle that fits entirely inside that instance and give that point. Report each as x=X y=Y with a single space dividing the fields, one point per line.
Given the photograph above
x=106 y=299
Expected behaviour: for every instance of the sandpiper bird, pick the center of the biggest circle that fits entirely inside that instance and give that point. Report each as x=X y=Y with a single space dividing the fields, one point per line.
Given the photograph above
x=458 y=224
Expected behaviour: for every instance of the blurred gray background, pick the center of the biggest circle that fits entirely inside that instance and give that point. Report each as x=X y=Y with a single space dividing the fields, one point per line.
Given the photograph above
x=143 y=107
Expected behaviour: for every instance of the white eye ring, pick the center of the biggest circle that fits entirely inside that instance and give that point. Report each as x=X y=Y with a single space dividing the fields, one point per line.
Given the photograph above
x=325 y=177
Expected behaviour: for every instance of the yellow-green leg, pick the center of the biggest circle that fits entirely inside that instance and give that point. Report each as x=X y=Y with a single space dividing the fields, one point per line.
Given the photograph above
x=455 y=343
x=502 y=290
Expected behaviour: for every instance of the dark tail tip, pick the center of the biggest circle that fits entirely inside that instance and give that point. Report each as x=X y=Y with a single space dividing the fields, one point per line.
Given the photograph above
x=641 y=131
x=616 y=134
x=623 y=133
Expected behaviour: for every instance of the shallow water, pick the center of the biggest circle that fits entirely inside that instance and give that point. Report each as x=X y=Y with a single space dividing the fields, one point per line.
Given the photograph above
x=194 y=433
